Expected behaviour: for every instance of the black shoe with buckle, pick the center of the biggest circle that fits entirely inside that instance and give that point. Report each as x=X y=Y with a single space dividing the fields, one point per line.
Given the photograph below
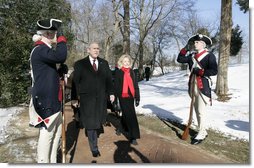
x=196 y=141
x=194 y=136
x=96 y=153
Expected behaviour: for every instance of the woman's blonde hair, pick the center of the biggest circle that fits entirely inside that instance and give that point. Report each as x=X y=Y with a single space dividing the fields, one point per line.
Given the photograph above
x=120 y=61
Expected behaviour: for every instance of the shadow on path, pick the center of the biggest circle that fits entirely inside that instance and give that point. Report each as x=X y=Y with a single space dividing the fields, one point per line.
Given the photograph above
x=174 y=123
x=72 y=134
x=122 y=153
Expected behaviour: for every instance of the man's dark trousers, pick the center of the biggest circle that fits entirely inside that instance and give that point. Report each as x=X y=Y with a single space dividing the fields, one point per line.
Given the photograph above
x=92 y=139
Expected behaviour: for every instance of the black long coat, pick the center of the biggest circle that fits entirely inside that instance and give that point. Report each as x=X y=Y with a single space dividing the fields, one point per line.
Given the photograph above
x=93 y=89
x=208 y=63
x=129 y=119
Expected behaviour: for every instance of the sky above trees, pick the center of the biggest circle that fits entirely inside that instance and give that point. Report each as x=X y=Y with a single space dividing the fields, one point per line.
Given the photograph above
x=212 y=9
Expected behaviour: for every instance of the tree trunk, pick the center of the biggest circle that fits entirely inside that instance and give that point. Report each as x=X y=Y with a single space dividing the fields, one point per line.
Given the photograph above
x=224 y=50
x=107 y=45
x=141 y=56
x=110 y=38
x=155 y=50
x=126 y=26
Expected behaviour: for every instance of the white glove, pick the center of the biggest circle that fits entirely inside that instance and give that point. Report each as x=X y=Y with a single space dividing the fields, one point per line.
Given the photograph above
x=112 y=98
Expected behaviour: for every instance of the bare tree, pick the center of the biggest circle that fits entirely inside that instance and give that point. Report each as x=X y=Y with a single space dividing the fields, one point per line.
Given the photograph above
x=160 y=37
x=224 y=50
x=96 y=21
x=170 y=32
x=146 y=15
x=126 y=26
x=161 y=61
x=110 y=26
x=83 y=13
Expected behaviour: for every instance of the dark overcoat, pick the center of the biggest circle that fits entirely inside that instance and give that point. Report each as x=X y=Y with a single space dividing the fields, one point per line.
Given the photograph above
x=129 y=119
x=93 y=89
x=46 y=78
x=118 y=83
x=208 y=63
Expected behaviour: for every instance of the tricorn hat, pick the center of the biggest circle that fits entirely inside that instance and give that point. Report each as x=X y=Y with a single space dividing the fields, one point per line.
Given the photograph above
x=48 y=24
x=201 y=37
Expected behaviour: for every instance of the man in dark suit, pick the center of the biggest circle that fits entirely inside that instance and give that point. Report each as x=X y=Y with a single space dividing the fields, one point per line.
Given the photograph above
x=93 y=81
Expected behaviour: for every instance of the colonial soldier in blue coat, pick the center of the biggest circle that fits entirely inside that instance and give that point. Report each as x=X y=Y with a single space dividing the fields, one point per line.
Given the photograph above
x=202 y=65
x=46 y=93
x=93 y=81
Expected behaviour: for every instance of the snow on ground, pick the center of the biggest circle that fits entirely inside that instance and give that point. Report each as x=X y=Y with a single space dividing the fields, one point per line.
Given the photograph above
x=6 y=114
x=167 y=97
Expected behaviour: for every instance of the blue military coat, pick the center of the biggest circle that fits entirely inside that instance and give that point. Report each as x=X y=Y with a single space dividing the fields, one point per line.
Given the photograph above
x=46 y=79
x=207 y=63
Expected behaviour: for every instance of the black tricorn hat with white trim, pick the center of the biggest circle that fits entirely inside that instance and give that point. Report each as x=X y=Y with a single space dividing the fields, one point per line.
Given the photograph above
x=201 y=37
x=48 y=24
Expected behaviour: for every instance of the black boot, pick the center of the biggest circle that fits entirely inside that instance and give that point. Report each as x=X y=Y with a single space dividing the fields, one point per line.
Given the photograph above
x=133 y=142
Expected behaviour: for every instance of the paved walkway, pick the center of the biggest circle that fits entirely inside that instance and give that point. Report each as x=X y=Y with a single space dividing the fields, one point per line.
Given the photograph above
x=151 y=148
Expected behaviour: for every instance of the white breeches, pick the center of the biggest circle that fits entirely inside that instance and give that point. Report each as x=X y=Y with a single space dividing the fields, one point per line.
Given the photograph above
x=200 y=102
x=49 y=141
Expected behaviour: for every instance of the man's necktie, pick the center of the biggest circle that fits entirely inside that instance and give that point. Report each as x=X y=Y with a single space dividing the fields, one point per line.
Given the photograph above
x=94 y=65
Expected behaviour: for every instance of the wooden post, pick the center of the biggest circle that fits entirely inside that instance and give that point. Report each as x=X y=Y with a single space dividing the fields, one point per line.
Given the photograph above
x=63 y=124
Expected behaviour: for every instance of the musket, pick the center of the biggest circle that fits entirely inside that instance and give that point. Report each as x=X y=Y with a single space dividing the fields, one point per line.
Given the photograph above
x=63 y=124
x=186 y=131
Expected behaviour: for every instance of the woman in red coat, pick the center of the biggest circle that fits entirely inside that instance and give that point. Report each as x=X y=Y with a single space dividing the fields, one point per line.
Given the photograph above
x=127 y=91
